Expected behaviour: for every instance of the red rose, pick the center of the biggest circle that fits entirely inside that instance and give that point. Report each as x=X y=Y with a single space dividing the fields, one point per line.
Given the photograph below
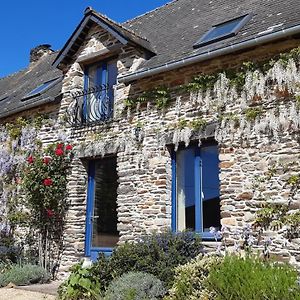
x=30 y=159
x=69 y=147
x=48 y=182
x=60 y=146
x=50 y=213
x=46 y=160
x=59 y=152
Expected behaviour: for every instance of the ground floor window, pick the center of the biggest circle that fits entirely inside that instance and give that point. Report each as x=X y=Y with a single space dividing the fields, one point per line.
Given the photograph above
x=101 y=225
x=195 y=189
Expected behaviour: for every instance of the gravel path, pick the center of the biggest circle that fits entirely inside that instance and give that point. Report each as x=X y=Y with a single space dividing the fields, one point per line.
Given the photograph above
x=17 y=294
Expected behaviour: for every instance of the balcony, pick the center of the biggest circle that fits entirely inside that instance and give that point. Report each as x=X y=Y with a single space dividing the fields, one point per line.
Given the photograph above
x=91 y=106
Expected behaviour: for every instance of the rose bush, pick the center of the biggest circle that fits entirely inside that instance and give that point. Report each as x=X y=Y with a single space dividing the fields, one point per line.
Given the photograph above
x=45 y=185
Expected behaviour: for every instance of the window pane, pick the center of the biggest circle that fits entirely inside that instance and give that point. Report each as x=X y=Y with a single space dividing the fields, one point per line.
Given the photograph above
x=185 y=189
x=210 y=187
x=105 y=233
x=220 y=30
x=92 y=77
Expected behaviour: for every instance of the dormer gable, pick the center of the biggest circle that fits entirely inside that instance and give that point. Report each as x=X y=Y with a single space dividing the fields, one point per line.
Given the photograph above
x=91 y=18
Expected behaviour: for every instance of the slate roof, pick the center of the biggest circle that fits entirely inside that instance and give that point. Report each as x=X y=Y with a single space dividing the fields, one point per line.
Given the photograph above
x=169 y=31
x=173 y=29
x=17 y=85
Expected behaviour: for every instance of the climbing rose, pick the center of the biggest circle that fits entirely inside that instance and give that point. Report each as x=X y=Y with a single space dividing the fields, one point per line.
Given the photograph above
x=48 y=182
x=46 y=160
x=49 y=212
x=60 y=146
x=69 y=147
x=30 y=159
x=59 y=152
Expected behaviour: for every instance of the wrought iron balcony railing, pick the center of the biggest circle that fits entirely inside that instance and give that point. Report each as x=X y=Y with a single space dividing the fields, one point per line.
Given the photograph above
x=91 y=106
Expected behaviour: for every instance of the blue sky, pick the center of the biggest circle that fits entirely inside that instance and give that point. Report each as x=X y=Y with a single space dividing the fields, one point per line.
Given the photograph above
x=26 y=24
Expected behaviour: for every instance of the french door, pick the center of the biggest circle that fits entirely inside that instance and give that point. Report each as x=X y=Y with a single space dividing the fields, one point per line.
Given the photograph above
x=99 y=81
x=195 y=189
x=101 y=220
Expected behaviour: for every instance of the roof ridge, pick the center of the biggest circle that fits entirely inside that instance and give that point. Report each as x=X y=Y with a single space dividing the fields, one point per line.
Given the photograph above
x=24 y=69
x=120 y=24
x=150 y=11
x=13 y=74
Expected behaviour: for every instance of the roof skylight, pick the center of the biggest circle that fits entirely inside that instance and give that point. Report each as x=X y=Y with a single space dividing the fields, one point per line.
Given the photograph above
x=3 y=98
x=41 y=88
x=222 y=31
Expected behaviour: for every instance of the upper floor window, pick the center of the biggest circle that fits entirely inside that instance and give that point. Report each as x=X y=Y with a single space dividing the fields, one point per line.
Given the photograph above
x=99 y=81
x=196 y=191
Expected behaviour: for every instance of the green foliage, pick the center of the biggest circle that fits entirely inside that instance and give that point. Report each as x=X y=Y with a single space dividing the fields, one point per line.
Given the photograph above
x=271 y=216
x=155 y=254
x=189 y=282
x=202 y=82
x=294 y=180
x=182 y=123
x=231 y=117
x=198 y=124
x=81 y=284
x=161 y=96
x=135 y=286
x=297 y=98
x=249 y=278
x=275 y=216
x=252 y=113
x=23 y=275
x=45 y=187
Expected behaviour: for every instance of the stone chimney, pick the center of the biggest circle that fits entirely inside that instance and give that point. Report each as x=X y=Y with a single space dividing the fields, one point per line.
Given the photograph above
x=38 y=52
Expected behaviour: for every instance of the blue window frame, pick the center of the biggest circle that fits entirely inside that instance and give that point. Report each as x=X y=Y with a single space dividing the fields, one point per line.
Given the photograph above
x=99 y=80
x=195 y=189
x=42 y=88
x=222 y=31
x=101 y=217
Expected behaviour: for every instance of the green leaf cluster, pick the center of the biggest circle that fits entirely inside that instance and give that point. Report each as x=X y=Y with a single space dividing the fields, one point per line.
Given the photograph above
x=250 y=278
x=81 y=284
x=156 y=254
x=135 y=286
x=161 y=96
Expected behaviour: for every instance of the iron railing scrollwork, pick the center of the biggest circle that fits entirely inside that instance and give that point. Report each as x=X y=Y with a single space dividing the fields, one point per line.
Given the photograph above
x=94 y=105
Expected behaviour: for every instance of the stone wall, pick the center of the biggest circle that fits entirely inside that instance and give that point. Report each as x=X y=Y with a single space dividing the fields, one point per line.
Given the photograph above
x=140 y=137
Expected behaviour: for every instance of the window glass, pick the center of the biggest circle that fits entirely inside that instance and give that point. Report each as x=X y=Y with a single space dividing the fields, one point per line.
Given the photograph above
x=41 y=88
x=104 y=230
x=197 y=189
x=185 y=190
x=220 y=30
x=210 y=188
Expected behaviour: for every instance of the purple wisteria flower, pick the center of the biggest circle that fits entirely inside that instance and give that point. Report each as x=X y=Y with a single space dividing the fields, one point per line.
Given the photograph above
x=27 y=139
x=6 y=162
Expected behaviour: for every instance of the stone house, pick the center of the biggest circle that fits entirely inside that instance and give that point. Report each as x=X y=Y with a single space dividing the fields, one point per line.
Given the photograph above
x=185 y=117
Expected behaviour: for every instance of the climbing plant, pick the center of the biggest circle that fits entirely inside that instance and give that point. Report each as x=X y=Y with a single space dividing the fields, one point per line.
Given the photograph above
x=45 y=187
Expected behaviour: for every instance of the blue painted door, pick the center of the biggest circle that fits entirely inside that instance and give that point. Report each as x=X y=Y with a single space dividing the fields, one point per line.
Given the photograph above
x=101 y=221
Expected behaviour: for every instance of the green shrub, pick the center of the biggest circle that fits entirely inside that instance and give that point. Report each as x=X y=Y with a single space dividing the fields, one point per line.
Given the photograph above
x=135 y=286
x=24 y=275
x=156 y=254
x=81 y=284
x=189 y=281
x=250 y=278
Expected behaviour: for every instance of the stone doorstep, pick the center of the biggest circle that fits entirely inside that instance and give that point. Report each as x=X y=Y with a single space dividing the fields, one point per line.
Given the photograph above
x=47 y=288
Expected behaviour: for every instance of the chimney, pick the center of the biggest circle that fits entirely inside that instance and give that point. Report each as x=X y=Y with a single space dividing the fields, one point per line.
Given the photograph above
x=38 y=52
